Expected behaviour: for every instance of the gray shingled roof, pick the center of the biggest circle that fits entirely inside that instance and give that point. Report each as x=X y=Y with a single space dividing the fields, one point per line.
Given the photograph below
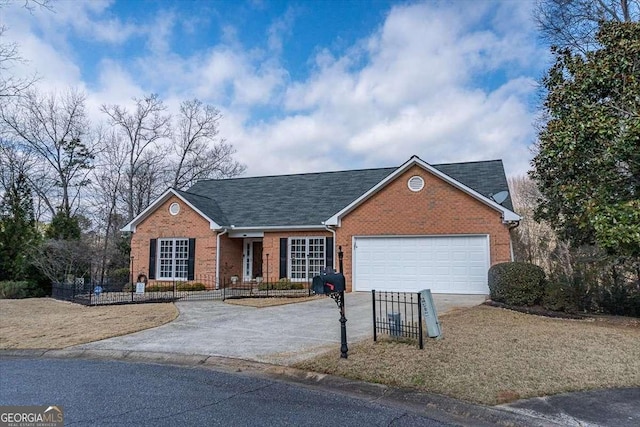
x=309 y=199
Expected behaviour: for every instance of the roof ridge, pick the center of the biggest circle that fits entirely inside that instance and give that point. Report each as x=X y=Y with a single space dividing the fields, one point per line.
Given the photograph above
x=195 y=194
x=335 y=171
x=297 y=174
x=466 y=163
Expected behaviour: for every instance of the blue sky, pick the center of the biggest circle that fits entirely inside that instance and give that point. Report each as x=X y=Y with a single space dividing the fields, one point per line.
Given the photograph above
x=308 y=85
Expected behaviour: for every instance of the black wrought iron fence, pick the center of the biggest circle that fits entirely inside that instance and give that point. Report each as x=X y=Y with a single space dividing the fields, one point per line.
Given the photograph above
x=202 y=288
x=397 y=315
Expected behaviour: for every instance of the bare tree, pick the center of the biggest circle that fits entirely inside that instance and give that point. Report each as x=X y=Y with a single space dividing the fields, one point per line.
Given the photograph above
x=573 y=24
x=12 y=86
x=200 y=153
x=535 y=242
x=142 y=130
x=108 y=178
x=60 y=260
x=55 y=130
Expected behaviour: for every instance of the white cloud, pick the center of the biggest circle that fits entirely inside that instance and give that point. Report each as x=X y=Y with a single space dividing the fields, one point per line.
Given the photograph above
x=413 y=86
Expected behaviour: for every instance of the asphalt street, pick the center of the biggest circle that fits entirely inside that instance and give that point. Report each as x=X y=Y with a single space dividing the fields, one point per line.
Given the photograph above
x=100 y=393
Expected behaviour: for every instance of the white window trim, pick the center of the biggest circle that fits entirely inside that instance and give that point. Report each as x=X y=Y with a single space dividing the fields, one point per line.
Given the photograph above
x=173 y=259
x=289 y=259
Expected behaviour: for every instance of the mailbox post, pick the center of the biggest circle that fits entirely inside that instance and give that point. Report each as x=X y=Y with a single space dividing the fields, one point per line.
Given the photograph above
x=334 y=285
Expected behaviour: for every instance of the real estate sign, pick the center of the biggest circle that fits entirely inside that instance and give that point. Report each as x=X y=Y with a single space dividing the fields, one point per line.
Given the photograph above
x=430 y=315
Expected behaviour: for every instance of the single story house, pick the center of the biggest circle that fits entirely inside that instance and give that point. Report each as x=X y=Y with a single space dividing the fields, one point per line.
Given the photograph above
x=405 y=228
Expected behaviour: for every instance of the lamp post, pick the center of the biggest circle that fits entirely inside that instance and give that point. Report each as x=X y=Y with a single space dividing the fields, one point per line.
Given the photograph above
x=338 y=297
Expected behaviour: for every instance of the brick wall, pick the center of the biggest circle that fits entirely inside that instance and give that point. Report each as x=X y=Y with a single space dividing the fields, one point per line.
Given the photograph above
x=230 y=258
x=187 y=224
x=439 y=208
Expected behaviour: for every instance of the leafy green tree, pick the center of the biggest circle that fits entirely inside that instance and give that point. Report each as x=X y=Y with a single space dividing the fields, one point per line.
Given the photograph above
x=18 y=230
x=588 y=161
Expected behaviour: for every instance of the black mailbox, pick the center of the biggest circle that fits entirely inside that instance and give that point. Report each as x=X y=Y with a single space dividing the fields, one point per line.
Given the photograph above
x=328 y=283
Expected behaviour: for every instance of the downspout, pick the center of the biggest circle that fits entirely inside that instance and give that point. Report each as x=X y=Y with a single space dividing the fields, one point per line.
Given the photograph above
x=511 y=225
x=218 y=257
x=334 y=243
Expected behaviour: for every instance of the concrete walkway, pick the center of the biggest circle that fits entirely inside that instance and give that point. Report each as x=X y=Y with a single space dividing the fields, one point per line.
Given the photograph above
x=282 y=334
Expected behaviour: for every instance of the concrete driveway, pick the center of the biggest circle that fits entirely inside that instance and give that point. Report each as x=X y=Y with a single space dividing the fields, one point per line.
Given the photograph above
x=282 y=334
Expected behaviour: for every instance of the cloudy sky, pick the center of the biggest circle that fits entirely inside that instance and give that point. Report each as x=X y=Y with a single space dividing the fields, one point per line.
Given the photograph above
x=307 y=85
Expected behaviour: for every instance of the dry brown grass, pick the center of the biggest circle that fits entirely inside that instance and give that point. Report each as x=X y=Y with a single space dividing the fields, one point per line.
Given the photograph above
x=268 y=302
x=492 y=355
x=48 y=323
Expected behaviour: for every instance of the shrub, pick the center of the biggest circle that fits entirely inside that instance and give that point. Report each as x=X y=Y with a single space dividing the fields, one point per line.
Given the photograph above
x=516 y=283
x=159 y=287
x=568 y=294
x=191 y=286
x=281 y=285
x=19 y=289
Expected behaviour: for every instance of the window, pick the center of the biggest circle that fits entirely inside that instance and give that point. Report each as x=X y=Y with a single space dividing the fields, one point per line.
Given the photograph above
x=173 y=259
x=307 y=256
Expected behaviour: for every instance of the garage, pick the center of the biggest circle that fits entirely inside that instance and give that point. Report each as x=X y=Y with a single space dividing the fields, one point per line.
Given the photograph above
x=444 y=264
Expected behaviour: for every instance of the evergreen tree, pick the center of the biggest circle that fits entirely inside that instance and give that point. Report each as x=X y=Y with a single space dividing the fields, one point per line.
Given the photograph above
x=588 y=164
x=18 y=232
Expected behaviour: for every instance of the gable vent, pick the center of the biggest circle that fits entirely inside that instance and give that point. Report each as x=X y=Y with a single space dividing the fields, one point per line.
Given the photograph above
x=415 y=183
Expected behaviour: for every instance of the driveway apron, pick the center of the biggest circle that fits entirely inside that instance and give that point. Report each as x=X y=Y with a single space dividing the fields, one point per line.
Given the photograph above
x=282 y=334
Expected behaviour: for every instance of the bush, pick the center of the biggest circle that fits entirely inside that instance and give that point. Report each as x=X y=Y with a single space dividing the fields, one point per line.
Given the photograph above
x=19 y=289
x=281 y=285
x=516 y=283
x=191 y=286
x=619 y=300
x=568 y=294
x=159 y=287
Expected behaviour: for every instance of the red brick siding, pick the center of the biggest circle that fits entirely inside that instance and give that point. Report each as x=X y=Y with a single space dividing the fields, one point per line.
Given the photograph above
x=230 y=258
x=187 y=224
x=439 y=208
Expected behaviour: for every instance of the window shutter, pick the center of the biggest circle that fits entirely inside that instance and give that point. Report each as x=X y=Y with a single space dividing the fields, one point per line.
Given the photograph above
x=152 y=258
x=283 y=257
x=328 y=252
x=192 y=258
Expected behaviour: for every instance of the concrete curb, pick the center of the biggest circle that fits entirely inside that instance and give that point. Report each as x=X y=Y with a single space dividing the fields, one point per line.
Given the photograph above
x=438 y=407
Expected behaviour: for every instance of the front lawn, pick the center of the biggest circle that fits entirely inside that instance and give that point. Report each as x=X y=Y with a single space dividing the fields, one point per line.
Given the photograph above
x=492 y=355
x=49 y=323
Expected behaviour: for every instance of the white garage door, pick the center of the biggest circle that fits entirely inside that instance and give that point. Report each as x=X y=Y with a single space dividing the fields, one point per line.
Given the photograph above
x=447 y=264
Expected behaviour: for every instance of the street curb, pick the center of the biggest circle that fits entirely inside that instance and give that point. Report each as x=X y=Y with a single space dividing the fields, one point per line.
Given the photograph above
x=434 y=406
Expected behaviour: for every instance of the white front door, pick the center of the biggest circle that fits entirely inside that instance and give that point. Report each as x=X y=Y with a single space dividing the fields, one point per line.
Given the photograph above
x=247 y=260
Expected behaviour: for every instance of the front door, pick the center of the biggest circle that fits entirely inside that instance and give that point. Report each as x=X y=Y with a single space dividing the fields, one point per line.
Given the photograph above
x=257 y=259
x=251 y=259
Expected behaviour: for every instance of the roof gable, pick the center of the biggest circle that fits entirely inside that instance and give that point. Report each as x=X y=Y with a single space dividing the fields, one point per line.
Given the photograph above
x=195 y=203
x=507 y=214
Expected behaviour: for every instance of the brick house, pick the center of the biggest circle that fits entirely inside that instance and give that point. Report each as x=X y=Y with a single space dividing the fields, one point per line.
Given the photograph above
x=405 y=228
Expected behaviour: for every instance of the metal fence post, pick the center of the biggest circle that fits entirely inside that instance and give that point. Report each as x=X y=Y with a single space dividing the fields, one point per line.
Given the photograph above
x=420 y=339
x=373 y=300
